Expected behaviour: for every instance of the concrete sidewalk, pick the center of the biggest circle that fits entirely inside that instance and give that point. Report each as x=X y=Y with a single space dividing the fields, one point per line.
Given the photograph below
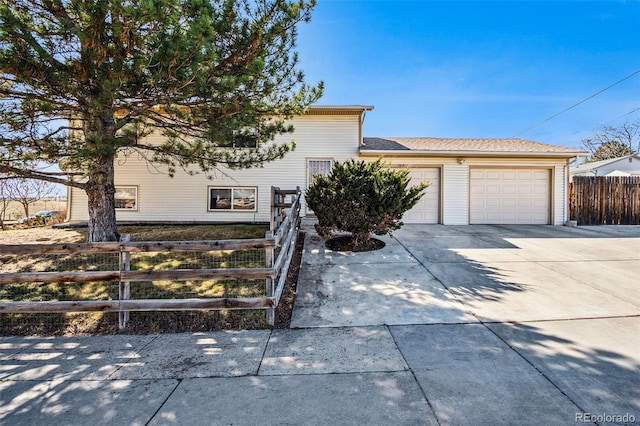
x=475 y=325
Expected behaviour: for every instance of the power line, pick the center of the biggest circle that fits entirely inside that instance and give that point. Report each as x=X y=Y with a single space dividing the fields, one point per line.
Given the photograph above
x=607 y=121
x=623 y=115
x=579 y=103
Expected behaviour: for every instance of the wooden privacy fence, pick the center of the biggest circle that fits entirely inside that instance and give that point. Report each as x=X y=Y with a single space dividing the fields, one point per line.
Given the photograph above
x=605 y=200
x=281 y=239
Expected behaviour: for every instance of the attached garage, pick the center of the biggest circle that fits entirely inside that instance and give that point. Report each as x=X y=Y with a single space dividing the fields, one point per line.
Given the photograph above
x=428 y=208
x=481 y=181
x=509 y=196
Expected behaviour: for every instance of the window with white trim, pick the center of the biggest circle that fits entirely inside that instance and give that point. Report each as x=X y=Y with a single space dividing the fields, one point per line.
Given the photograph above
x=318 y=167
x=232 y=199
x=126 y=198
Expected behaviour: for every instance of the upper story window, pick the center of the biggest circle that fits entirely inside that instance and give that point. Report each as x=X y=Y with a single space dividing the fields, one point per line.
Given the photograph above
x=241 y=139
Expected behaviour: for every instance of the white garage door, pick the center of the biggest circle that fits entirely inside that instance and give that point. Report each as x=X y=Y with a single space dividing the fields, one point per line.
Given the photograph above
x=428 y=208
x=509 y=196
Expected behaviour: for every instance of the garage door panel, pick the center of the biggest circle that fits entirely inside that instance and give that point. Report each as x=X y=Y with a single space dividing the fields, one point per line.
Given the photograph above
x=508 y=188
x=540 y=217
x=478 y=189
x=492 y=175
x=509 y=196
x=491 y=215
x=492 y=188
x=540 y=204
x=525 y=189
x=428 y=208
x=506 y=176
x=492 y=202
x=476 y=173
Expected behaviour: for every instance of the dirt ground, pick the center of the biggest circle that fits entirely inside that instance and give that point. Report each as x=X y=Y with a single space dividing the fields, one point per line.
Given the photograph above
x=45 y=234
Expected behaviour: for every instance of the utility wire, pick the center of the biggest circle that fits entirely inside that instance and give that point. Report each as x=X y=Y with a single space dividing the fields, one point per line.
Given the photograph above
x=607 y=121
x=579 y=103
x=623 y=115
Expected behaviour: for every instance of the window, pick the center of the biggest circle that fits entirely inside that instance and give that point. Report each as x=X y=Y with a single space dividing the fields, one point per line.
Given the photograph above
x=126 y=198
x=245 y=138
x=232 y=199
x=318 y=167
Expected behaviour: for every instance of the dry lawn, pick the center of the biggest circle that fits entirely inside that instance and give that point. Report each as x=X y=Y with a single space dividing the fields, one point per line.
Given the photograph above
x=141 y=322
x=48 y=234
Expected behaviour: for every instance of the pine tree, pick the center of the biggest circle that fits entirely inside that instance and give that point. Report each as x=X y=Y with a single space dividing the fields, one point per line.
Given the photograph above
x=82 y=80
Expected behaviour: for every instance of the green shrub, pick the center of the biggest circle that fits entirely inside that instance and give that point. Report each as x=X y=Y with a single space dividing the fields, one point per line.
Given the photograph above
x=362 y=198
x=37 y=221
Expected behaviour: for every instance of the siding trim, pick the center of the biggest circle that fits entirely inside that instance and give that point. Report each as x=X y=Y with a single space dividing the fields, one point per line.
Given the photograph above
x=455 y=191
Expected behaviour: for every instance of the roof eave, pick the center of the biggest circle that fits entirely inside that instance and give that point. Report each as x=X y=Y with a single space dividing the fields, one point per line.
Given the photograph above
x=325 y=108
x=478 y=154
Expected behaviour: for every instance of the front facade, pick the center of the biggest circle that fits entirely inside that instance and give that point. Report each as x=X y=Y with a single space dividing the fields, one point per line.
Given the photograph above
x=323 y=136
x=472 y=181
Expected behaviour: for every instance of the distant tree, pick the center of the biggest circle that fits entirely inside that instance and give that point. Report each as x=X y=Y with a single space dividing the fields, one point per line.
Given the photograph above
x=362 y=198
x=29 y=191
x=613 y=142
x=84 y=81
x=608 y=150
x=5 y=198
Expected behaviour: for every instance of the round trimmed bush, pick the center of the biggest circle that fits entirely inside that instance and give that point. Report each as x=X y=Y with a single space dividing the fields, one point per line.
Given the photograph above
x=362 y=198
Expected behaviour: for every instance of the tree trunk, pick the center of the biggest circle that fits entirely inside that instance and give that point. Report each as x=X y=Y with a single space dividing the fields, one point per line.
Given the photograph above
x=25 y=207
x=102 y=212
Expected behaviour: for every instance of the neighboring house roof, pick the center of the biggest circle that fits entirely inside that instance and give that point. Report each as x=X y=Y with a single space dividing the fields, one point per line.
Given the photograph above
x=458 y=146
x=618 y=173
x=592 y=167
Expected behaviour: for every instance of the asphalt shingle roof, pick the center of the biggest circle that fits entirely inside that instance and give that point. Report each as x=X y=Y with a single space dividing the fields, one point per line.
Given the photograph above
x=514 y=145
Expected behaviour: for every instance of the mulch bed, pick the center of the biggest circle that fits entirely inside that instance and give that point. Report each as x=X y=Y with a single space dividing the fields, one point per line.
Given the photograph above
x=345 y=243
x=285 y=307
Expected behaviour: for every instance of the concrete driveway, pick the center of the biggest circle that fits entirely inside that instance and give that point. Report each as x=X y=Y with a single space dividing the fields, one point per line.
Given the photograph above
x=499 y=324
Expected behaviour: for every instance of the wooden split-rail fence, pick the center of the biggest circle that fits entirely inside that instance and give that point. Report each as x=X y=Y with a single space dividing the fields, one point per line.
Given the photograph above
x=605 y=200
x=285 y=220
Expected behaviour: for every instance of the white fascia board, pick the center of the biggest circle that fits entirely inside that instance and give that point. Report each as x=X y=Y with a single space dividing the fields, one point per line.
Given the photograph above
x=484 y=154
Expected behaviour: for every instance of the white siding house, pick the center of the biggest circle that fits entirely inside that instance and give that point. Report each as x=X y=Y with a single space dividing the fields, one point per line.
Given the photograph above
x=473 y=181
x=323 y=136
x=629 y=165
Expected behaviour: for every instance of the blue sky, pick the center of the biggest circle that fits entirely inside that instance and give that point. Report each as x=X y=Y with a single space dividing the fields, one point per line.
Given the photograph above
x=477 y=68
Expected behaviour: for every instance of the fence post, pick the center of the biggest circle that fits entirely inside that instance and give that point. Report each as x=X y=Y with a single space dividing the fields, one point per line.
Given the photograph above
x=124 y=292
x=269 y=290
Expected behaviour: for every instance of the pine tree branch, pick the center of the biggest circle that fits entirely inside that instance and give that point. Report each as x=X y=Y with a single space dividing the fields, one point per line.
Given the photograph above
x=49 y=177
